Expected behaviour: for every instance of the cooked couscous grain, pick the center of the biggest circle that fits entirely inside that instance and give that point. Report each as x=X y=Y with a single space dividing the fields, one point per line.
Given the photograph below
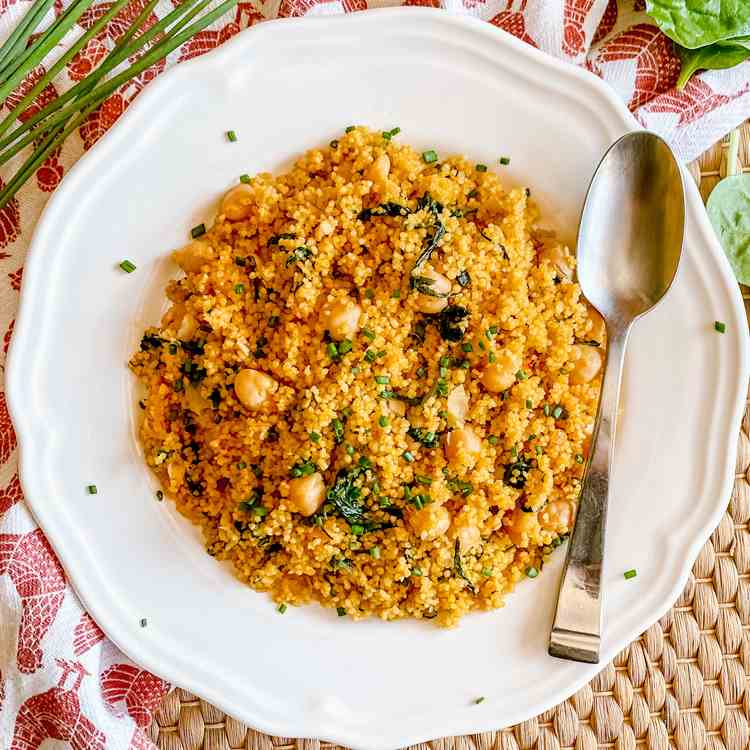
x=375 y=384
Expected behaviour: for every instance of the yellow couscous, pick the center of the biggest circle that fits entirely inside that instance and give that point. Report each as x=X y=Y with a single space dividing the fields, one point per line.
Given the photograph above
x=376 y=383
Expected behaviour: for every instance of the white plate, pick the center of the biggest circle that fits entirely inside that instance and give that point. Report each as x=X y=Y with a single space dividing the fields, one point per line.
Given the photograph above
x=452 y=84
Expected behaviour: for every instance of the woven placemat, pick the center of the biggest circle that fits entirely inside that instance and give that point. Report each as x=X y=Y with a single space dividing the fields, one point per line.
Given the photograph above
x=683 y=684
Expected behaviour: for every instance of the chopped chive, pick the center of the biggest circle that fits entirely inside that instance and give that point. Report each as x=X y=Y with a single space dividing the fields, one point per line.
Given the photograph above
x=423 y=479
x=481 y=167
x=334 y=144
x=315 y=437
x=384 y=502
x=198 y=231
x=127 y=266
x=529 y=405
x=340 y=611
x=345 y=346
x=504 y=160
x=443 y=372
x=486 y=572
x=273 y=321
x=355 y=370
x=241 y=465
x=408 y=456
x=332 y=349
x=367 y=333
x=370 y=355
x=532 y=572
x=491 y=357
x=349 y=448
x=557 y=412
x=630 y=574
x=428 y=157
x=357 y=530
x=421 y=372
x=375 y=553
x=349 y=128
x=245 y=179
x=579 y=458
x=538 y=450
x=369 y=293
x=417 y=572
x=159 y=495
x=239 y=288
x=514 y=451
x=396 y=294
x=720 y=327
x=383 y=421
x=547 y=411
x=493 y=439
x=478 y=700
x=467 y=347
x=445 y=361
x=472 y=193
x=382 y=379
x=91 y=489
x=281 y=608
x=231 y=136
x=521 y=375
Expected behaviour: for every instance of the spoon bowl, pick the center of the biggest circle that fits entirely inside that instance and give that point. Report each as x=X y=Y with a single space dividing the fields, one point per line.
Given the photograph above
x=630 y=235
x=629 y=245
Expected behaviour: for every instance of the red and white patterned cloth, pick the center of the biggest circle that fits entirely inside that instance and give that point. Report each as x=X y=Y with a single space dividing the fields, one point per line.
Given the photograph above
x=59 y=676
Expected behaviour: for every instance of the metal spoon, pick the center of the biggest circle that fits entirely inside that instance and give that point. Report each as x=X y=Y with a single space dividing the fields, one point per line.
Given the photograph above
x=629 y=245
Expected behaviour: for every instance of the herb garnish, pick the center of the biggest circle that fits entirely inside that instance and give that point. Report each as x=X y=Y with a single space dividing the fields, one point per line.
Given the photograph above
x=384 y=209
x=151 y=341
x=344 y=495
x=458 y=567
x=517 y=473
x=451 y=322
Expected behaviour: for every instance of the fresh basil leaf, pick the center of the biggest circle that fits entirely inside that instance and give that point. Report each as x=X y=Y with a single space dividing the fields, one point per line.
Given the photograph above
x=698 y=23
x=714 y=57
x=729 y=211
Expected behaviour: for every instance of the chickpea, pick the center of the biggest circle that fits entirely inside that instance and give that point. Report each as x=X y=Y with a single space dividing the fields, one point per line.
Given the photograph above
x=597 y=329
x=193 y=256
x=237 y=203
x=457 y=406
x=342 y=320
x=179 y=319
x=379 y=170
x=558 y=256
x=557 y=516
x=467 y=534
x=501 y=374
x=430 y=522
x=253 y=387
x=462 y=446
x=427 y=303
x=588 y=362
x=307 y=493
x=522 y=527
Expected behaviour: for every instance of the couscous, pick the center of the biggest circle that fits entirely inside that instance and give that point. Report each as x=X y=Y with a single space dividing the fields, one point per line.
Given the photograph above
x=376 y=383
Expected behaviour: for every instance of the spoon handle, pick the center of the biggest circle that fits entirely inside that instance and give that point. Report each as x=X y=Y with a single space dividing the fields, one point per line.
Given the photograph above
x=576 y=631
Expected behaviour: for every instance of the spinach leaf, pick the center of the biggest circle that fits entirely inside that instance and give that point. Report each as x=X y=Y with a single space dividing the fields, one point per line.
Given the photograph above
x=344 y=495
x=729 y=211
x=452 y=322
x=716 y=56
x=458 y=567
x=697 y=23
